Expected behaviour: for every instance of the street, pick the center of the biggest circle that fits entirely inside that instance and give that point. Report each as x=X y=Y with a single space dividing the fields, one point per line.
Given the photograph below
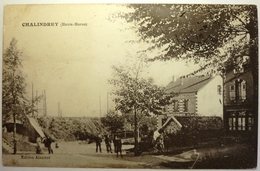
x=74 y=155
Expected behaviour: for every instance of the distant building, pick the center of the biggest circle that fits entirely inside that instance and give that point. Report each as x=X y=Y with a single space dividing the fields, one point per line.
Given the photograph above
x=194 y=96
x=26 y=126
x=238 y=99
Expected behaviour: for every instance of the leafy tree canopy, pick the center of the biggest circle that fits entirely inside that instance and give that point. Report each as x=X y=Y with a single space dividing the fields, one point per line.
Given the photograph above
x=132 y=91
x=14 y=101
x=113 y=122
x=211 y=35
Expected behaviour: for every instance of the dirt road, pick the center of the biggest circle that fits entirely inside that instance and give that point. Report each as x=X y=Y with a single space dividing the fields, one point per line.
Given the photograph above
x=72 y=154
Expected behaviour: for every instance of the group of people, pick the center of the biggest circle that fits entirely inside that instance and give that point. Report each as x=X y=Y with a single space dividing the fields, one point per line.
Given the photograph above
x=162 y=143
x=108 y=140
x=47 y=143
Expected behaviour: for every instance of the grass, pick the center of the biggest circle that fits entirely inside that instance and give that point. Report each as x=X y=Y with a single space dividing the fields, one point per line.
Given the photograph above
x=22 y=142
x=235 y=156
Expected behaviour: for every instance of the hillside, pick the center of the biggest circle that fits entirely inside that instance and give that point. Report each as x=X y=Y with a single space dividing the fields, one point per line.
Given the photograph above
x=71 y=128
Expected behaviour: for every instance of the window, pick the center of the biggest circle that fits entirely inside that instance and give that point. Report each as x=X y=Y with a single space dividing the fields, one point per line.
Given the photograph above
x=165 y=109
x=170 y=108
x=186 y=105
x=232 y=122
x=250 y=121
x=240 y=121
x=219 y=89
x=237 y=90
x=239 y=69
x=243 y=90
x=232 y=92
x=175 y=105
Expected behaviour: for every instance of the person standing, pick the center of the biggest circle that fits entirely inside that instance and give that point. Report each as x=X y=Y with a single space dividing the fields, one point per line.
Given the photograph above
x=166 y=142
x=48 y=142
x=98 y=144
x=118 y=146
x=38 y=148
x=108 y=144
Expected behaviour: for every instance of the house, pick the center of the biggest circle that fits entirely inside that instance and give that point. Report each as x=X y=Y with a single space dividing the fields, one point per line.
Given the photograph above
x=28 y=127
x=238 y=99
x=194 y=96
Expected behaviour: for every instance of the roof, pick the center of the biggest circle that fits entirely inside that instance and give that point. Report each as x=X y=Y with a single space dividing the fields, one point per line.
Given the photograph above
x=36 y=126
x=172 y=125
x=187 y=85
x=174 y=119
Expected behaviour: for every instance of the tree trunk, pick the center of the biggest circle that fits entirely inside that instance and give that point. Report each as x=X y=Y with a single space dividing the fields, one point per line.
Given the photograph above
x=253 y=53
x=14 y=134
x=254 y=61
x=136 y=149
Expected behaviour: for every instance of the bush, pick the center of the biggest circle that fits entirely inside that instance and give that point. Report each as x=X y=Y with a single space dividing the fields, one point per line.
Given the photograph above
x=71 y=128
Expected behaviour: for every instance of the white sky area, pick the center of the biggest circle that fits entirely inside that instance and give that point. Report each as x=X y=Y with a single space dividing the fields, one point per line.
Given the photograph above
x=73 y=63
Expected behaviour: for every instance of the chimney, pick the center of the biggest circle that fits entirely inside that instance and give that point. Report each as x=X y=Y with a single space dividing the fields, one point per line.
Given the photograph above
x=173 y=78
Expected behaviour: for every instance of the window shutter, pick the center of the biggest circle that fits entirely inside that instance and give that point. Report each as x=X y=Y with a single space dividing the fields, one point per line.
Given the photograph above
x=243 y=90
x=232 y=92
x=219 y=89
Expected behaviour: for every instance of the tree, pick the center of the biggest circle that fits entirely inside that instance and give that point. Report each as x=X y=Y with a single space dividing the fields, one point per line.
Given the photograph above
x=14 y=102
x=135 y=95
x=214 y=36
x=113 y=121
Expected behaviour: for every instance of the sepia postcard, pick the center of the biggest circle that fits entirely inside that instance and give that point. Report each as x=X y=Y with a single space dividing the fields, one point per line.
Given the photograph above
x=130 y=86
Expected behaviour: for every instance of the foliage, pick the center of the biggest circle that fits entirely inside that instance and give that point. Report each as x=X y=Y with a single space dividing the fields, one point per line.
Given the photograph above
x=201 y=127
x=201 y=122
x=14 y=103
x=213 y=35
x=70 y=129
x=145 y=123
x=135 y=95
x=113 y=122
x=132 y=91
x=13 y=98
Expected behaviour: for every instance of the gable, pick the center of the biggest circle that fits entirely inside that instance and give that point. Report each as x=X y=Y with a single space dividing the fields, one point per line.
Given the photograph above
x=171 y=126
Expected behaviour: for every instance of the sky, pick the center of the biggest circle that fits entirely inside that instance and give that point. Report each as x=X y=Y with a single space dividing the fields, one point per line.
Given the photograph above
x=73 y=63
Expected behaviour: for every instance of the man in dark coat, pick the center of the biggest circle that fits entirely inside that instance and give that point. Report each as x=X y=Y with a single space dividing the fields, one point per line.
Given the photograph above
x=98 y=144
x=47 y=143
x=108 y=144
x=118 y=146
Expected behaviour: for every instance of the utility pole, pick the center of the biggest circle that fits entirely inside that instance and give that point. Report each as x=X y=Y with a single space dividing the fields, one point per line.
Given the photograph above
x=45 y=104
x=58 y=109
x=37 y=103
x=107 y=102
x=100 y=105
x=32 y=102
